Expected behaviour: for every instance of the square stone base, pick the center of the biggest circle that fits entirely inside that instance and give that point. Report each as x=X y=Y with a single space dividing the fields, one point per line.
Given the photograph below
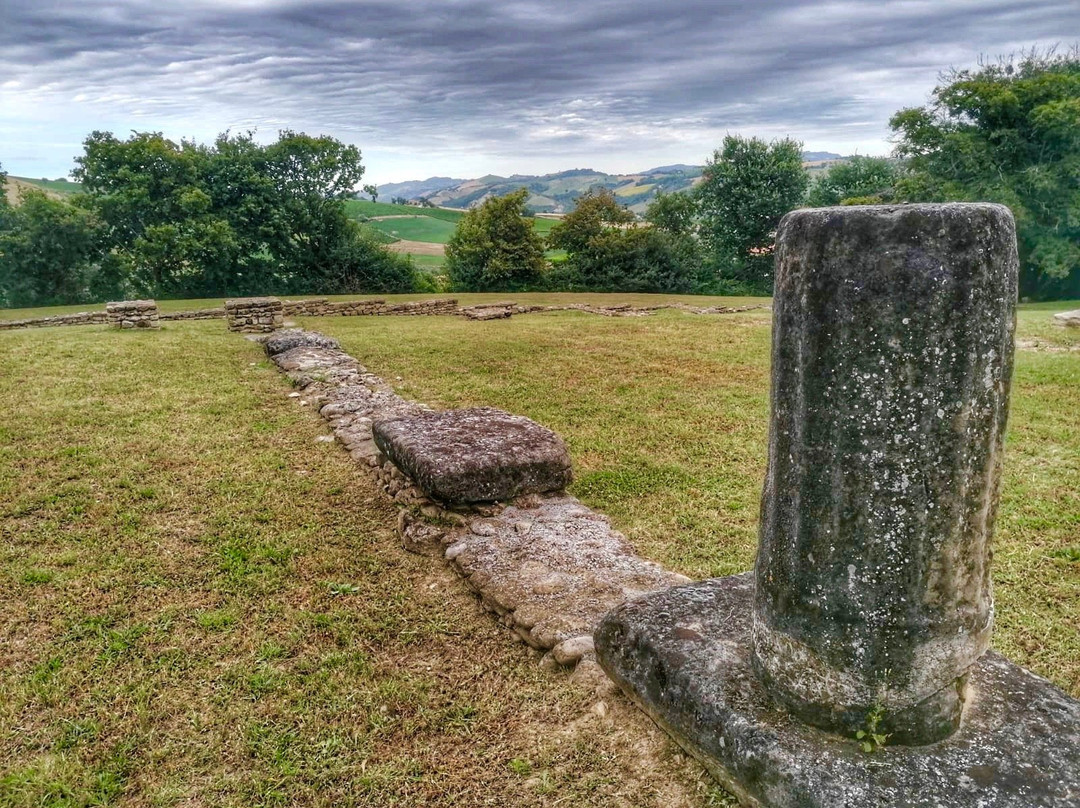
x=684 y=656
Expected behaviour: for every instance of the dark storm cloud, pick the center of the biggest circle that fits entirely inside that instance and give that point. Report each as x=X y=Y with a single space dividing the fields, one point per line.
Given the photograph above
x=507 y=77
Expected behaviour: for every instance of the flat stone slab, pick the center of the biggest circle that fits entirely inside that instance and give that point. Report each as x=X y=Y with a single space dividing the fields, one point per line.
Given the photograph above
x=552 y=568
x=479 y=454
x=294 y=338
x=684 y=656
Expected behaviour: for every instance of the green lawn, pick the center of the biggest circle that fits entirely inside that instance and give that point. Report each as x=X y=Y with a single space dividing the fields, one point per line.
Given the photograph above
x=201 y=605
x=417 y=228
x=365 y=207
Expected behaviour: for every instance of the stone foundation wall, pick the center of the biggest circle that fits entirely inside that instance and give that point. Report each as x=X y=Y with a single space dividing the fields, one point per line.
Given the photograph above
x=321 y=307
x=80 y=318
x=254 y=315
x=195 y=314
x=545 y=564
x=132 y=314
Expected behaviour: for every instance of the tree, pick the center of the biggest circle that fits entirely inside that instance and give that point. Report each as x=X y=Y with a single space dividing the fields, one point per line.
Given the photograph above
x=747 y=186
x=48 y=252
x=5 y=208
x=869 y=180
x=594 y=212
x=372 y=191
x=235 y=217
x=1007 y=132
x=494 y=248
x=608 y=251
x=676 y=213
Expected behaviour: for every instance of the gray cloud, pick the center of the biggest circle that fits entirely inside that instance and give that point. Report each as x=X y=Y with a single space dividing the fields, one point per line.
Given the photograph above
x=519 y=84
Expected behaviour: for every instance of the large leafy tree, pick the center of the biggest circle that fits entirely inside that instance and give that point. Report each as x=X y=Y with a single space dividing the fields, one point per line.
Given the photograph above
x=495 y=248
x=49 y=252
x=235 y=217
x=608 y=250
x=1007 y=132
x=747 y=186
x=860 y=180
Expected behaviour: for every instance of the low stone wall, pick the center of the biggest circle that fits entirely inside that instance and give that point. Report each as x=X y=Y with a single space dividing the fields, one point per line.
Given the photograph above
x=194 y=314
x=321 y=307
x=80 y=318
x=132 y=314
x=254 y=315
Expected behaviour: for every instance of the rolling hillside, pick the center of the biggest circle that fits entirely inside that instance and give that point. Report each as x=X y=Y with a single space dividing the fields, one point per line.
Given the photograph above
x=555 y=193
x=57 y=188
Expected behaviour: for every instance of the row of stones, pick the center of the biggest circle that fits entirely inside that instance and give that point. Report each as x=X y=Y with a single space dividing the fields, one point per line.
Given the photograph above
x=321 y=307
x=545 y=564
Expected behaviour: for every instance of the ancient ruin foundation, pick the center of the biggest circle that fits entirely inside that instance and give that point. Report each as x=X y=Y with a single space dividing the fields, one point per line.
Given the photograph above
x=132 y=314
x=254 y=315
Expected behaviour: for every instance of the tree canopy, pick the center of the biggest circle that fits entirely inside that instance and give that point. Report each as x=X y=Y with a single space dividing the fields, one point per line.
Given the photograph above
x=607 y=250
x=860 y=180
x=495 y=248
x=747 y=186
x=1007 y=132
x=234 y=217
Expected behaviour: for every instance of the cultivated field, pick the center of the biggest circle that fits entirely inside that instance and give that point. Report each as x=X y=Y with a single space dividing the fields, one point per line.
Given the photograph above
x=417 y=227
x=203 y=605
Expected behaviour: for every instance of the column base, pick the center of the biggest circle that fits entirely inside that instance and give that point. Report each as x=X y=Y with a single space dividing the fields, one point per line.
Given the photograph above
x=684 y=655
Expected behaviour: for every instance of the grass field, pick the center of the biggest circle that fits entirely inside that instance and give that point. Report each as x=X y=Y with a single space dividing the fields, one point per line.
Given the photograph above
x=416 y=228
x=365 y=207
x=59 y=186
x=437 y=231
x=202 y=605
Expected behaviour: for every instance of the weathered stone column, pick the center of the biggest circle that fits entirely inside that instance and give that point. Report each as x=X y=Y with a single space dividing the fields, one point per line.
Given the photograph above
x=892 y=354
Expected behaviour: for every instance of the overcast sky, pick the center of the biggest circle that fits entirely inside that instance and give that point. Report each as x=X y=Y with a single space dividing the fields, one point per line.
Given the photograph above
x=469 y=87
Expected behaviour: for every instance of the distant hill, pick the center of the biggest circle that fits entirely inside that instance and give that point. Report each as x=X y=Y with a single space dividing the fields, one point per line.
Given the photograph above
x=55 y=188
x=556 y=193
x=417 y=188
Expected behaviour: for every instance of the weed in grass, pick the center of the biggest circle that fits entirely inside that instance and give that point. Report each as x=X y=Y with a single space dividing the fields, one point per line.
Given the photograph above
x=343 y=589
x=36 y=577
x=217 y=620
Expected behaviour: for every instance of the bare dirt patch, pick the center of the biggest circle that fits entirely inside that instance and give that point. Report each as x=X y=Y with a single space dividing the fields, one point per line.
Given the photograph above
x=416 y=247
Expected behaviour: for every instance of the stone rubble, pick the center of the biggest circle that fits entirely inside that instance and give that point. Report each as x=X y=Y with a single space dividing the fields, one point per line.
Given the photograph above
x=546 y=565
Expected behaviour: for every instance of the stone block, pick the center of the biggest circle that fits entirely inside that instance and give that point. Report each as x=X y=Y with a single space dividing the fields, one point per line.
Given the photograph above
x=475 y=455
x=684 y=656
x=1069 y=319
x=287 y=340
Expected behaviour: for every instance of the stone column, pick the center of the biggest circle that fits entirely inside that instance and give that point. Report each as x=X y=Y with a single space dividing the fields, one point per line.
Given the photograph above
x=892 y=354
